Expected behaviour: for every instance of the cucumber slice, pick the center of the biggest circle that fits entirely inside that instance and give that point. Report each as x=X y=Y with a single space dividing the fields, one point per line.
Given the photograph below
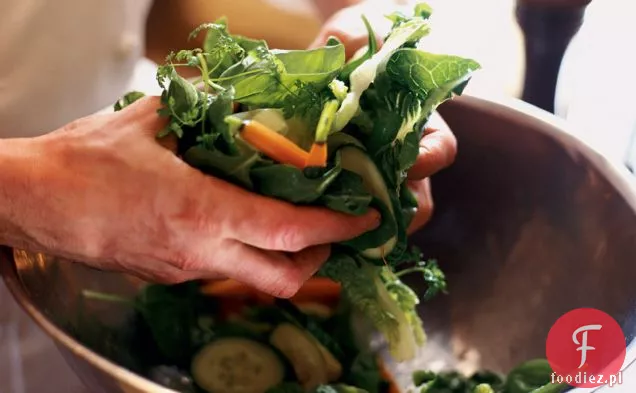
x=334 y=368
x=356 y=160
x=236 y=365
x=300 y=348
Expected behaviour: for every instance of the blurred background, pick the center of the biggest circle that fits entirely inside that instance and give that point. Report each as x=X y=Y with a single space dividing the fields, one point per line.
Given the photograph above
x=574 y=58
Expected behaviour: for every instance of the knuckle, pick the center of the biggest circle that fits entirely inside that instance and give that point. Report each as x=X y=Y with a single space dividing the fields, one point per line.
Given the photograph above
x=185 y=261
x=287 y=238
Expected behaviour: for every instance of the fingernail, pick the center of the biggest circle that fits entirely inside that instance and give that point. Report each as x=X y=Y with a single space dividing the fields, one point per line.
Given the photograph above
x=374 y=219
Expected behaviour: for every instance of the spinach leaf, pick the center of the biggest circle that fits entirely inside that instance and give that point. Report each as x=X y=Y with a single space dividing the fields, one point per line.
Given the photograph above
x=551 y=388
x=528 y=376
x=292 y=184
x=234 y=168
x=409 y=205
x=387 y=229
x=170 y=313
x=219 y=107
x=275 y=77
x=347 y=194
x=286 y=387
x=128 y=99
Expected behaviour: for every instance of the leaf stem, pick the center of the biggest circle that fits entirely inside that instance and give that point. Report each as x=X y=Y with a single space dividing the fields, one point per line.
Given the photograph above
x=106 y=297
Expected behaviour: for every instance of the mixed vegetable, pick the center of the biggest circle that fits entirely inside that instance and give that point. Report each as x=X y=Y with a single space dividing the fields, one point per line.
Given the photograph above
x=202 y=338
x=308 y=127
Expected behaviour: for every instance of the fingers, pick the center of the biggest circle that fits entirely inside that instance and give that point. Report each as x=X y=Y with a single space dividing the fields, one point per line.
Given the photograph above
x=272 y=272
x=438 y=149
x=272 y=224
x=351 y=42
x=422 y=191
x=144 y=112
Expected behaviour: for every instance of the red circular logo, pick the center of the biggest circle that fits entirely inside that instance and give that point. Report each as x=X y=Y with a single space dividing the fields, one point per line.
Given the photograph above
x=586 y=348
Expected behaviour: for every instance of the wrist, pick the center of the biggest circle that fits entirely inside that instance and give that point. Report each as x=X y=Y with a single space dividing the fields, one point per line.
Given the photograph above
x=18 y=164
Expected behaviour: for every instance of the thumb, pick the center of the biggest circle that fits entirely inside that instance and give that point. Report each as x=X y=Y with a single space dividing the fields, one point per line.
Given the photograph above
x=144 y=111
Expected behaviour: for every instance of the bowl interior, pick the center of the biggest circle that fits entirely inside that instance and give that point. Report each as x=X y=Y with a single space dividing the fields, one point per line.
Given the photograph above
x=526 y=227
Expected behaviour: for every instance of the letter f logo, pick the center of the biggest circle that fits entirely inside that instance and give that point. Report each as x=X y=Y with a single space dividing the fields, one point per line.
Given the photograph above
x=583 y=344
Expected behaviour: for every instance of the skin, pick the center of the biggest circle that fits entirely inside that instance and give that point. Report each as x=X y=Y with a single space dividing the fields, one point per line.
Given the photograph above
x=104 y=191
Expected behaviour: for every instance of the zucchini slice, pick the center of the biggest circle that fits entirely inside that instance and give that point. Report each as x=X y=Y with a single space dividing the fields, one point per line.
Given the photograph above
x=304 y=355
x=356 y=160
x=237 y=365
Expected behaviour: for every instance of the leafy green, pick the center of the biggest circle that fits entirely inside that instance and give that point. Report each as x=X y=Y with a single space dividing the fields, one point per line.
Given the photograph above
x=530 y=377
x=128 y=99
x=432 y=77
x=292 y=184
x=347 y=194
x=363 y=76
x=378 y=102
x=372 y=48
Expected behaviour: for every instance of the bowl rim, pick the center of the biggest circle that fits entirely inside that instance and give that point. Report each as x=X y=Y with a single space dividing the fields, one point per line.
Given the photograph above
x=546 y=123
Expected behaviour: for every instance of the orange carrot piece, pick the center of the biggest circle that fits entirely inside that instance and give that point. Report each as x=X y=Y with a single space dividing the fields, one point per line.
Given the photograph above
x=393 y=386
x=273 y=144
x=317 y=155
x=317 y=288
x=226 y=288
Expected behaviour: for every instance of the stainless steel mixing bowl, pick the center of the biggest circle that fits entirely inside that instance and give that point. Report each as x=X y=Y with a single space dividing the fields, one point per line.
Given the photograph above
x=529 y=224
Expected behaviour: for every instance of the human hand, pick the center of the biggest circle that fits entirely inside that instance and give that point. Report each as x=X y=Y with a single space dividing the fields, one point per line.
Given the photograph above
x=438 y=148
x=103 y=191
x=347 y=25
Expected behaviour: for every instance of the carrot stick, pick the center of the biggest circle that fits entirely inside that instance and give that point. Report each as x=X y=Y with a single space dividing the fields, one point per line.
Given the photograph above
x=317 y=155
x=393 y=387
x=318 y=289
x=225 y=288
x=318 y=151
x=273 y=144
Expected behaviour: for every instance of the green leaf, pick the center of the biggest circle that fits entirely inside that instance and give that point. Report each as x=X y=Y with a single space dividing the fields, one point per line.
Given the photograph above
x=433 y=77
x=409 y=205
x=552 y=388
x=287 y=387
x=219 y=107
x=528 y=376
x=235 y=168
x=377 y=237
x=372 y=48
x=170 y=312
x=292 y=184
x=220 y=49
x=275 y=77
x=365 y=373
x=420 y=377
x=128 y=99
x=347 y=194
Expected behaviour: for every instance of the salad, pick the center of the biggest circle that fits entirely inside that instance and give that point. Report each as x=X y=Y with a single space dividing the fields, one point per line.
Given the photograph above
x=309 y=127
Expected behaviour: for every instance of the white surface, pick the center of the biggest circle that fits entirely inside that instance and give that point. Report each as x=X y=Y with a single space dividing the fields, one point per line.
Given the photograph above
x=595 y=92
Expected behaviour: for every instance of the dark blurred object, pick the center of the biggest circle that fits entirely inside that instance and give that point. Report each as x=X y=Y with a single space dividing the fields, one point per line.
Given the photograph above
x=548 y=27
